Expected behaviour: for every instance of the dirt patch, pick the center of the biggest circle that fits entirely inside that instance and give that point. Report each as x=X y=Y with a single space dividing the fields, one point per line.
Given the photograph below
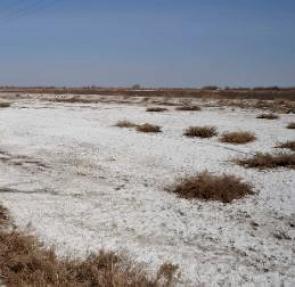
x=205 y=186
x=267 y=161
x=201 y=132
x=125 y=124
x=237 y=137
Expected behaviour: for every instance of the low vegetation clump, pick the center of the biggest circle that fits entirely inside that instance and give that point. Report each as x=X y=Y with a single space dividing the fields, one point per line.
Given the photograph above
x=267 y=160
x=291 y=126
x=5 y=104
x=188 y=108
x=205 y=186
x=125 y=124
x=201 y=132
x=156 y=109
x=148 y=128
x=25 y=262
x=238 y=137
x=288 y=144
x=269 y=116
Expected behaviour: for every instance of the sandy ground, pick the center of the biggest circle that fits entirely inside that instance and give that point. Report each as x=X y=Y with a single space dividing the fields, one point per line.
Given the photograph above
x=81 y=184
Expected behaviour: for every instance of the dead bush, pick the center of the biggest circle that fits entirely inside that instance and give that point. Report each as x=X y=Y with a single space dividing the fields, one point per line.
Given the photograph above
x=148 y=128
x=291 y=126
x=205 y=186
x=288 y=144
x=125 y=124
x=269 y=116
x=202 y=132
x=25 y=262
x=3 y=215
x=5 y=104
x=188 y=108
x=156 y=109
x=267 y=160
x=238 y=137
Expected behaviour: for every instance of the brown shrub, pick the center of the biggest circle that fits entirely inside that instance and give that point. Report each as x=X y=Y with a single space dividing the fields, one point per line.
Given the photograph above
x=267 y=160
x=148 y=128
x=224 y=188
x=188 y=108
x=5 y=104
x=237 y=137
x=125 y=124
x=289 y=144
x=25 y=262
x=291 y=126
x=202 y=132
x=156 y=109
x=269 y=116
x=3 y=215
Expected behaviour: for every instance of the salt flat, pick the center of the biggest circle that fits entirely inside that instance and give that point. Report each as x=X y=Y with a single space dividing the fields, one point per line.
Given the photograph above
x=82 y=184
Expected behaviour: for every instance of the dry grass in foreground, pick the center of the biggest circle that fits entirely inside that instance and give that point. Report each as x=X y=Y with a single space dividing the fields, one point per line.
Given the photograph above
x=267 y=160
x=201 y=132
x=188 y=108
x=125 y=124
x=148 y=128
x=291 y=126
x=205 y=186
x=237 y=137
x=269 y=116
x=288 y=144
x=156 y=109
x=25 y=262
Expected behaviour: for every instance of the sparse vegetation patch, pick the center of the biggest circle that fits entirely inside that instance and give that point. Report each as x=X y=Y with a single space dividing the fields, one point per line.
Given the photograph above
x=238 y=137
x=205 y=186
x=125 y=124
x=25 y=262
x=202 y=132
x=288 y=144
x=267 y=161
x=5 y=104
x=156 y=109
x=188 y=108
x=148 y=128
x=269 y=116
x=291 y=126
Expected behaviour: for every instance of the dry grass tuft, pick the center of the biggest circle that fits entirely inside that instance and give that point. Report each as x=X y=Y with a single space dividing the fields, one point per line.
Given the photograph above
x=125 y=124
x=202 y=132
x=25 y=262
x=269 y=116
x=237 y=137
x=267 y=160
x=288 y=144
x=291 y=126
x=205 y=186
x=148 y=128
x=5 y=104
x=3 y=215
x=156 y=109
x=188 y=108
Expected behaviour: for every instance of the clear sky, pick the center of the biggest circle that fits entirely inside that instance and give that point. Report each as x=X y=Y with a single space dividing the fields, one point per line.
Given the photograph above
x=173 y=43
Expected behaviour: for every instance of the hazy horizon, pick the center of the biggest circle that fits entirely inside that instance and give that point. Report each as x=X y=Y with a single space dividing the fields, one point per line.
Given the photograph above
x=157 y=43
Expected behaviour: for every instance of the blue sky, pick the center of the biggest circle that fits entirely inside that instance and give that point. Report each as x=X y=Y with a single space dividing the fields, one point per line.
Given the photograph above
x=173 y=43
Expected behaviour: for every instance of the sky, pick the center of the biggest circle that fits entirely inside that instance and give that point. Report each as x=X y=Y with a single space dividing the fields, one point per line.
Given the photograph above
x=154 y=43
